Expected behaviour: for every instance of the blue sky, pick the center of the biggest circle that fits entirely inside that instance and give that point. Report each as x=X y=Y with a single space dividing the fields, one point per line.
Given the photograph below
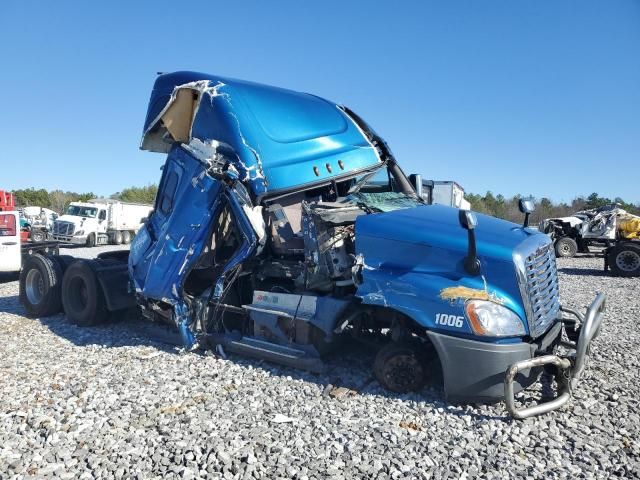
x=531 y=97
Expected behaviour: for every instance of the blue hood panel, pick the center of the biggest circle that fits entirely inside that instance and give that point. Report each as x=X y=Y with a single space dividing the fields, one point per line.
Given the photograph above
x=411 y=255
x=438 y=226
x=283 y=139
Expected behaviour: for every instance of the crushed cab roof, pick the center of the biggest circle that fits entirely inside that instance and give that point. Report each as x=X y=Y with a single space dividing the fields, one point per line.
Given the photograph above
x=281 y=138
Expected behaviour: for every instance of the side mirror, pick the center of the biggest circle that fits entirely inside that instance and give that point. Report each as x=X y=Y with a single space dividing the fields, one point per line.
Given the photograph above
x=468 y=219
x=469 y=222
x=416 y=181
x=526 y=206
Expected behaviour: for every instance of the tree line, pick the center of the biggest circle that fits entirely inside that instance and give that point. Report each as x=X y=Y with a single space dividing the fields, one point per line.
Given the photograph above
x=495 y=205
x=507 y=208
x=58 y=200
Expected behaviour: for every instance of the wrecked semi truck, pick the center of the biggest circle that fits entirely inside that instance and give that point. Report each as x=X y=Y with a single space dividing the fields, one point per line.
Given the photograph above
x=100 y=222
x=284 y=228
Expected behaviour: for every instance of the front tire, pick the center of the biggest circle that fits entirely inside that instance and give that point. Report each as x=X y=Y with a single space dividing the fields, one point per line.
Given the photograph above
x=402 y=366
x=40 y=284
x=82 y=295
x=91 y=240
x=566 y=247
x=624 y=260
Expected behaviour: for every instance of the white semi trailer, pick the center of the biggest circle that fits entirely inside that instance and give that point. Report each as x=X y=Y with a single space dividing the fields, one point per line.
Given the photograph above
x=442 y=192
x=100 y=222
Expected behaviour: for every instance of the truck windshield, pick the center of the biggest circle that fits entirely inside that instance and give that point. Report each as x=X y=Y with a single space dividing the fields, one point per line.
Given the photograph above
x=78 y=211
x=376 y=190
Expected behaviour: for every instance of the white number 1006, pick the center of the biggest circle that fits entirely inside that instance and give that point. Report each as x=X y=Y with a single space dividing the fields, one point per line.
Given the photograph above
x=449 y=320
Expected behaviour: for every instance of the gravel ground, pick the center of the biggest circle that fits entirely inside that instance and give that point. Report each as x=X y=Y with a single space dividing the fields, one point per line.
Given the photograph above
x=114 y=402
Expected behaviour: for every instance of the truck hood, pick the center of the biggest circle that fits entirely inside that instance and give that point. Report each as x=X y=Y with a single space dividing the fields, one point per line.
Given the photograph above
x=438 y=226
x=411 y=259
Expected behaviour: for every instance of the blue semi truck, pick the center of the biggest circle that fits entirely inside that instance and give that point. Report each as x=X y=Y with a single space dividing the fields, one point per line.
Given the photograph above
x=285 y=229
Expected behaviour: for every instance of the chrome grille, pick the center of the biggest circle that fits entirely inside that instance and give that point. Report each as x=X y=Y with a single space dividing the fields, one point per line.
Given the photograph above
x=539 y=286
x=63 y=228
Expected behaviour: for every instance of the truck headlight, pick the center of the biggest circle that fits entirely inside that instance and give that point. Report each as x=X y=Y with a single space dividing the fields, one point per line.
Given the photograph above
x=78 y=233
x=493 y=320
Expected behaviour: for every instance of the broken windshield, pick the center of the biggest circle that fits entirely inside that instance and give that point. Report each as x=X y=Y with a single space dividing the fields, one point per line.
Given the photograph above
x=79 y=211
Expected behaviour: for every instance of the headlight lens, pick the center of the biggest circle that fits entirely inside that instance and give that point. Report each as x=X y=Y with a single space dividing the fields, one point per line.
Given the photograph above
x=493 y=320
x=79 y=232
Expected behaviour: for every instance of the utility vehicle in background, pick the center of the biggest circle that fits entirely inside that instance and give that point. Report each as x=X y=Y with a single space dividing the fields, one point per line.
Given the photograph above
x=609 y=226
x=100 y=222
x=285 y=229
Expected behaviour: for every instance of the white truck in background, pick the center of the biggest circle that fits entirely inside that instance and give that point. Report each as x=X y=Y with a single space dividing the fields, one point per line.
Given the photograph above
x=100 y=222
x=443 y=192
x=14 y=252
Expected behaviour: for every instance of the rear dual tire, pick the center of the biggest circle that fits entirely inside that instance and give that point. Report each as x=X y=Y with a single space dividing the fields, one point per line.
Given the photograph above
x=40 y=285
x=82 y=296
x=50 y=284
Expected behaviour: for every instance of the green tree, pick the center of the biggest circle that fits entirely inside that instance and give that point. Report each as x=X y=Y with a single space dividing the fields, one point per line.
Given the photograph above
x=138 y=194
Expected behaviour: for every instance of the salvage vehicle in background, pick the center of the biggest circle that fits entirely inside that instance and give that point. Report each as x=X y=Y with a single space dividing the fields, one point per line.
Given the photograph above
x=100 y=222
x=14 y=252
x=40 y=221
x=284 y=228
x=609 y=226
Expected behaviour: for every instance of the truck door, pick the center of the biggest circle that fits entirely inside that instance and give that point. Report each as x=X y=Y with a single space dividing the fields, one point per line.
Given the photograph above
x=10 y=255
x=174 y=236
x=102 y=221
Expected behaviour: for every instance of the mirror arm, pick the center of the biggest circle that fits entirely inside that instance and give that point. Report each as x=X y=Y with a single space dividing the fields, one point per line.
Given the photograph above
x=471 y=262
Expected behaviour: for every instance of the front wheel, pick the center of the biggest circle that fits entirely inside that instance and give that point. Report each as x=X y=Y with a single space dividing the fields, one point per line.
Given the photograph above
x=91 y=240
x=624 y=260
x=566 y=247
x=402 y=366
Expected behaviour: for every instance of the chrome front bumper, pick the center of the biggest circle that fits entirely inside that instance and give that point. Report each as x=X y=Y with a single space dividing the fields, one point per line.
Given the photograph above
x=569 y=367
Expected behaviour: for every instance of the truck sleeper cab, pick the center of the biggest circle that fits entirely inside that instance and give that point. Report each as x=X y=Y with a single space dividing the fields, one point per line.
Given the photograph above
x=283 y=225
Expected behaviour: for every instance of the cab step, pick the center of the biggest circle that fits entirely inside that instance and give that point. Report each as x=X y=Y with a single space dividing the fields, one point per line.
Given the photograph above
x=272 y=352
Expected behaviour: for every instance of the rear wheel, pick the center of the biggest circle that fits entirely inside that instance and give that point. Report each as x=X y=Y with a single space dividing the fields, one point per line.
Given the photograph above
x=402 y=366
x=40 y=283
x=566 y=247
x=37 y=236
x=624 y=260
x=117 y=238
x=126 y=238
x=82 y=295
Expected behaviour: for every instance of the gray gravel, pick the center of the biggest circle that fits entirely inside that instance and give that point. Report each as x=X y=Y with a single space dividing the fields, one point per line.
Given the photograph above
x=114 y=402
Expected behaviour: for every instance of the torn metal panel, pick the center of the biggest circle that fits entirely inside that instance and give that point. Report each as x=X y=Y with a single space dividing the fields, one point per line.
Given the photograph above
x=282 y=138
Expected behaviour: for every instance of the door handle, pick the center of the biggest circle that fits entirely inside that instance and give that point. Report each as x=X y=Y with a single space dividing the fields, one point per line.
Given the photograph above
x=9 y=243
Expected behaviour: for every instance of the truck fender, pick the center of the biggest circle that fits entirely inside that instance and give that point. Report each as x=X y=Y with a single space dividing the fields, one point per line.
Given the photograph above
x=113 y=277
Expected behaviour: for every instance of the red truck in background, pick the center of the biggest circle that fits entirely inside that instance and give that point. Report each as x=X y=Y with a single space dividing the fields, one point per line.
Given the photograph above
x=8 y=204
x=7 y=201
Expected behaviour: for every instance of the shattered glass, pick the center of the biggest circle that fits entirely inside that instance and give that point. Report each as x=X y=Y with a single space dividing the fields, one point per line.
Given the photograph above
x=384 y=201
